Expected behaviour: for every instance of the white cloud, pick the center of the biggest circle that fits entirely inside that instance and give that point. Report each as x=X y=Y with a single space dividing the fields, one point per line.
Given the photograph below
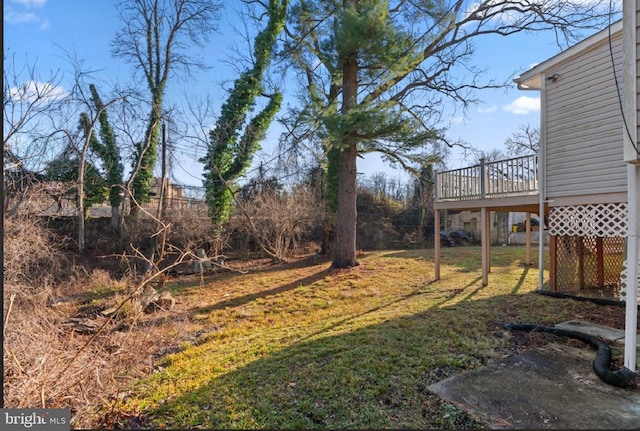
x=19 y=12
x=523 y=105
x=457 y=121
x=488 y=109
x=30 y=3
x=20 y=17
x=32 y=91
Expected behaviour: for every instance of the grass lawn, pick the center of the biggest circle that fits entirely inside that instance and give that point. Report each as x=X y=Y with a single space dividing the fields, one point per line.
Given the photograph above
x=304 y=346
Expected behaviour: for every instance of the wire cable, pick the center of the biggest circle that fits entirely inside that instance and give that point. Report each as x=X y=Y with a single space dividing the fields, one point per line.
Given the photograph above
x=615 y=78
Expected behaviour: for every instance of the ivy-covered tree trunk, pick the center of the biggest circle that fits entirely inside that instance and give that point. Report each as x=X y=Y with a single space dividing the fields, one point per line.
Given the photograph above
x=109 y=153
x=332 y=153
x=230 y=154
x=82 y=212
x=155 y=37
x=146 y=155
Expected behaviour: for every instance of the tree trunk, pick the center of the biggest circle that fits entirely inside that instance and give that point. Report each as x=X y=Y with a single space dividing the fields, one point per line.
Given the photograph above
x=115 y=217
x=345 y=243
x=327 y=239
x=81 y=242
x=81 y=213
x=142 y=178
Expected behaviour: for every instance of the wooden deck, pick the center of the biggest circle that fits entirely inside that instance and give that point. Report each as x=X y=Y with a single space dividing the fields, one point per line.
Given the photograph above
x=503 y=185
x=510 y=184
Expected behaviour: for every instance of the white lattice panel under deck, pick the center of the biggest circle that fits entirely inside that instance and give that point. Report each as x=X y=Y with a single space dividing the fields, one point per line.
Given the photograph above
x=623 y=281
x=601 y=220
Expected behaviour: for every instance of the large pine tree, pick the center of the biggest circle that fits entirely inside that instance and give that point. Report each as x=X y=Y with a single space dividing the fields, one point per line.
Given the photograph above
x=378 y=72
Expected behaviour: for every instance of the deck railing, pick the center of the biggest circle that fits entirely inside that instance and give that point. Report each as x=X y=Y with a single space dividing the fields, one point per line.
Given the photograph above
x=503 y=178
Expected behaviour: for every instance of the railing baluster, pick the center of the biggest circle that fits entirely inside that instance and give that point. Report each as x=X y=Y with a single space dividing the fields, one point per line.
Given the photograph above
x=466 y=176
x=502 y=178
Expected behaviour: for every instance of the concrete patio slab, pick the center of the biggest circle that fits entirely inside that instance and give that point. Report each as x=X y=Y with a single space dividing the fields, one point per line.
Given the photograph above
x=553 y=387
x=604 y=332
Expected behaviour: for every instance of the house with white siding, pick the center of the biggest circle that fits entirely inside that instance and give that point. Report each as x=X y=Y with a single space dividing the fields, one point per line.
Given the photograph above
x=578 y=180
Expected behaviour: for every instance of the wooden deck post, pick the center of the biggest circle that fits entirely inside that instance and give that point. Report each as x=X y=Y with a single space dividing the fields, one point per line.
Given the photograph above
x=436 y=240
x=600 y=261
x=489 y=223
x=483 y=179
x=485 y=245
x=552 y=262
x=527 y=257
x=580 y=244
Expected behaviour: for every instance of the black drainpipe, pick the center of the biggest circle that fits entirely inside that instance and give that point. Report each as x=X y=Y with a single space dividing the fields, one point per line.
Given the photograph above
x=622 y=378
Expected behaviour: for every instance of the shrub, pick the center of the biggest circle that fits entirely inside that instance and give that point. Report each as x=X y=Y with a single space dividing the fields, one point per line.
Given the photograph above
x=31 y=256
x=282 y=222
x=49 y=363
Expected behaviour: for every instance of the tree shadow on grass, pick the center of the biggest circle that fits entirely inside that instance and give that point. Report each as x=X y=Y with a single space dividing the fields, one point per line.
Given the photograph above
x=467 y=259
x=371 y=377
x=521 y=280
x=190 y=281
x=241 y=300
x=480 y=288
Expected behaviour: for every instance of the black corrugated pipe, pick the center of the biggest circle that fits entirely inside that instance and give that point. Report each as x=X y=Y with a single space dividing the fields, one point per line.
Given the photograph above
x=622 y=378
x=599 y=301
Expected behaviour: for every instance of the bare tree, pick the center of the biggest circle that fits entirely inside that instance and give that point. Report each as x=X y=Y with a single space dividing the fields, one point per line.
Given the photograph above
x=30 y=105
x=90 y=119
x=524 y=142
x=155 y=38
x=487 y=155
x=79 y=129
x=279 y=219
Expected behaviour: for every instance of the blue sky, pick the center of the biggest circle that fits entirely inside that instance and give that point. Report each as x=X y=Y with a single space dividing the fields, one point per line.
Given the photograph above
x=42 y=30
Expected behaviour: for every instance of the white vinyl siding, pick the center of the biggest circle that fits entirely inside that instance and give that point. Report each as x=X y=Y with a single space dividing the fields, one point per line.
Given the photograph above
x=638 y=68
x=584 y=126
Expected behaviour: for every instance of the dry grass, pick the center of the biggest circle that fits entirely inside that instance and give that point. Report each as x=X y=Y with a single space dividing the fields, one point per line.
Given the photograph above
x=284 y=346
x=304 y=346
x=31 y=257
x=50 y=362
